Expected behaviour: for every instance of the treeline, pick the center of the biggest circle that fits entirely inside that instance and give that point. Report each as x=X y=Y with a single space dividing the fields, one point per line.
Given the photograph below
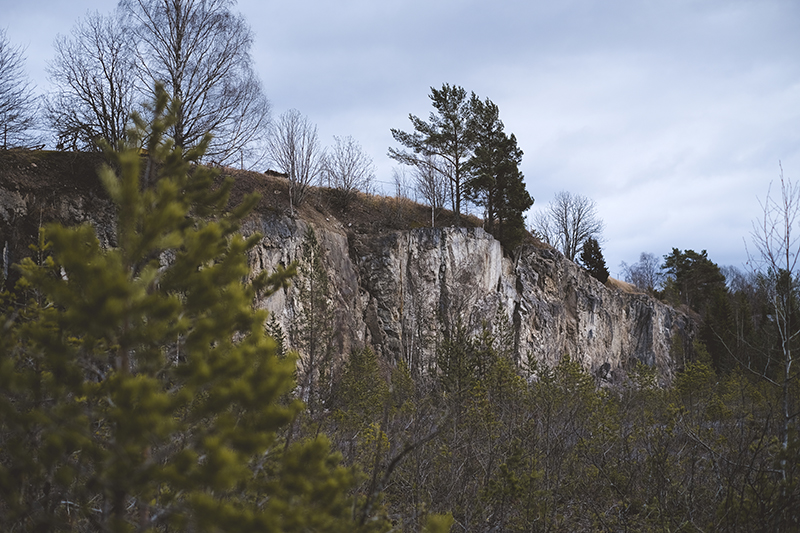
x=141 y=391
x=505 y=446
x=547 y=450
x=748 y=320
x=105 y=70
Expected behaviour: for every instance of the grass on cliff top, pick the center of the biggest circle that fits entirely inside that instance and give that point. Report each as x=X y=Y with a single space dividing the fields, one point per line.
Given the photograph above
x=47 y=173
x=365 y=213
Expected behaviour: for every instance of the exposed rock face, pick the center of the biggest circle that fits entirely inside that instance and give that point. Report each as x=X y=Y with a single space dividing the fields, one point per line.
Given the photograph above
x=401 y=291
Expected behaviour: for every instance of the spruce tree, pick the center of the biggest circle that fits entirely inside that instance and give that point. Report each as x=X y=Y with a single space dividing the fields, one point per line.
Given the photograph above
x=138 y=388
x=275 y=330
x=592 y=259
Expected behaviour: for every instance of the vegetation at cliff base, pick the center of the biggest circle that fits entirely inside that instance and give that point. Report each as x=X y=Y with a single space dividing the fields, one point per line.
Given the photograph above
x=144 y=388
x=139 y=389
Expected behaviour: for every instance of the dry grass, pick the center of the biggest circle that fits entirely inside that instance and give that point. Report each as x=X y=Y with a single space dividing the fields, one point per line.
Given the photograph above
x=622 y=286
x=50 y=174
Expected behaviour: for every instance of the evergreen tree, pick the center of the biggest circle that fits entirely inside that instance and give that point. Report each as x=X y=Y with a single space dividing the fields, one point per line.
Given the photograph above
x=446 y=141
x=313 y=328
x=692 y=278
x=496 y=182
x=592 y=259
x=275 y=330
x=138 y=389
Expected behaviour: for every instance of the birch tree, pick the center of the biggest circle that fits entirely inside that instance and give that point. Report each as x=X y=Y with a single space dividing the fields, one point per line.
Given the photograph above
x=18 y=103
x=777 y=255
x=200 y=51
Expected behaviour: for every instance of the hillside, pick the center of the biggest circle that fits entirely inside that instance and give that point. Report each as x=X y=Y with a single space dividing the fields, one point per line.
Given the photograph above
x=443 y=379
x=395 y=284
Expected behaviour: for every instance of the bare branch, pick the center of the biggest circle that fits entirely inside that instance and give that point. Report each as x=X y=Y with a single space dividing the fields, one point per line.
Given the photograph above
x=293 y=146
x=18 y=104
x=95 y=93
x=567 y=221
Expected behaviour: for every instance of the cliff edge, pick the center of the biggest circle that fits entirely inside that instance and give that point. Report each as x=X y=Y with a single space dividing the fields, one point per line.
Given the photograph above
x=392 y=286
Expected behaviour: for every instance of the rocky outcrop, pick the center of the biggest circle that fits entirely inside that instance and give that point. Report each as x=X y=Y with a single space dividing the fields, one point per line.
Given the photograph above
x=401 y=291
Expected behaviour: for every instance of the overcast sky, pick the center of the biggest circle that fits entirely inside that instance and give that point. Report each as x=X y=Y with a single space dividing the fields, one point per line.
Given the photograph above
x=672 y=115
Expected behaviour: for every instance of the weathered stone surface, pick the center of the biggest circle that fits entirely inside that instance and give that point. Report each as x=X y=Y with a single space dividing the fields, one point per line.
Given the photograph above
x=401 y=291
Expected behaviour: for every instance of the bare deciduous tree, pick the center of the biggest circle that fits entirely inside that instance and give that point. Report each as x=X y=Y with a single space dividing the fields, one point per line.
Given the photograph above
x=400 y=179
x=431 y=184
x=567 y=221
x=93 y=73
x=18 y=103
x=200 y=51
x=293 y=146
x=645 y=274
x=777 y=257
x=348 y=168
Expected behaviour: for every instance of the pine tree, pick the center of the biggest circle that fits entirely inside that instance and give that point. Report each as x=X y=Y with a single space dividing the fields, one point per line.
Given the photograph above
x=496 y=182
x=592 y=259
x=443 y=144
x=138 y=388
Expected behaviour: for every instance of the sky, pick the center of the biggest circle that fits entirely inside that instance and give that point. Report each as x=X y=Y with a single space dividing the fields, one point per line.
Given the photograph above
x=674 y=116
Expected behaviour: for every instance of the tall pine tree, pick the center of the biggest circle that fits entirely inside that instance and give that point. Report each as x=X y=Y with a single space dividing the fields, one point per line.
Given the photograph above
x=443 y=144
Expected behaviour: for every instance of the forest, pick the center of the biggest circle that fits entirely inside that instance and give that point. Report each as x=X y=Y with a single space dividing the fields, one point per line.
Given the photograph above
x=141 y=389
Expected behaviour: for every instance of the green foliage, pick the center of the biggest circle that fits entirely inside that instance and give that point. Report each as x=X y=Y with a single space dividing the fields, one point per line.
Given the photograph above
x=275 y=331
x=448 y=135
x=464 y=142
x=557 y=453
x=495 y=181
x=438 y=523
x=139 y=389
x=362 y=392
x=692 y=278
x=592 y=259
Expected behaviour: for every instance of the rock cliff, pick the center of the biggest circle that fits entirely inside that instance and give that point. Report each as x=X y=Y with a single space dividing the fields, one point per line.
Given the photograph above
x=399 y=291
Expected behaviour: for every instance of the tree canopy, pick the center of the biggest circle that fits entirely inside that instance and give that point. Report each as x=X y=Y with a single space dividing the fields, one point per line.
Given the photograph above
x=495 y=181
x=95 y=81
x=592 y=259
x=567 y=222
x=465 y=141
x=198 y=50
x=692 y=277
x=446 y=139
